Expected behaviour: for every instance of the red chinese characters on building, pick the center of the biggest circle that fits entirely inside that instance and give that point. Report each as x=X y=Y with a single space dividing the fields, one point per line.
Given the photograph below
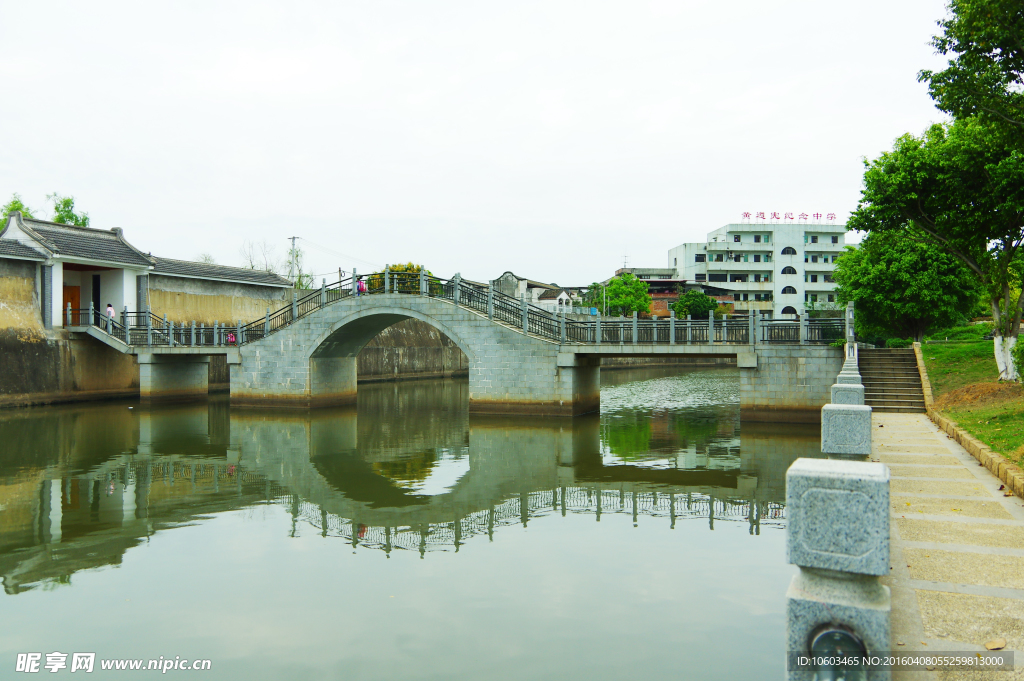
x=760 y=216
x=830 y=216
x=775 y=216
x=746 y=216
x=789 y=216
x=803 y=216
x=817 y=216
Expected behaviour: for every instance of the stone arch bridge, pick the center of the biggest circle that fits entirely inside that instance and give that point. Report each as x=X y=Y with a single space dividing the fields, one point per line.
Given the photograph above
x=522 y=359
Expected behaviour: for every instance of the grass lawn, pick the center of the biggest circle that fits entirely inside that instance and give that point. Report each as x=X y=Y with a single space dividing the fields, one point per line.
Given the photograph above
x=963 y=377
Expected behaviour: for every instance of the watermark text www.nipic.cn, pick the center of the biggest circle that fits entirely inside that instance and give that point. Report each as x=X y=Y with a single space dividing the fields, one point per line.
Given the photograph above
x=31 y=663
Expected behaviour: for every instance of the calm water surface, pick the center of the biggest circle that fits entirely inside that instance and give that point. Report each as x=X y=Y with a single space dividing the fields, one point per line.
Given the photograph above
x=404 y=539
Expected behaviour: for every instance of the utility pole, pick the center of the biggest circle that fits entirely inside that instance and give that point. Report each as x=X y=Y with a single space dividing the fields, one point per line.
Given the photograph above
x=291 y=259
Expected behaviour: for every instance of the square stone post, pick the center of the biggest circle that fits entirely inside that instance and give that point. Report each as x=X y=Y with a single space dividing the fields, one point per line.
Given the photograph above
x=387 y=278
x=266 y=323
x=802 y=321
x=355 y=281
x=689 y=329
x=124 y=317
x=597 y=328
x=295 y=306
x=526 y=318
x=838 y=535
x=193 y=333
x=423 y=282
x=457 y=281
x=561 y=326
x=69 y=314
x=750 y=327
x=711 y=327
x=149 y=328
x=490 y=300
x=238 y=333
x=323 y=292
x=92 y=315
x=672 y=327
x=636 y=327
x=169 y=328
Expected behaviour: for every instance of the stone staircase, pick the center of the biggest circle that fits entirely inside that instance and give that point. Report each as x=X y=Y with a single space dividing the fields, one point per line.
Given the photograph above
x=891 y=380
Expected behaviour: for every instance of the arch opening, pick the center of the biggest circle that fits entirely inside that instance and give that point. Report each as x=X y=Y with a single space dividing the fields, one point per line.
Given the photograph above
x=789 y=290
x=381 y=346
x=788 y=270
x=788 y=250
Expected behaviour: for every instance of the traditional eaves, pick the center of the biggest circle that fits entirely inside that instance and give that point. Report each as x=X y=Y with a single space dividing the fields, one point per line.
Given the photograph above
x=16 y=249
x=199 y=270
x=70 y=241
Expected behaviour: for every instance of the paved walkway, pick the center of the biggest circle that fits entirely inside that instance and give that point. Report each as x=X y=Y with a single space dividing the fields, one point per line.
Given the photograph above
x=957 y=547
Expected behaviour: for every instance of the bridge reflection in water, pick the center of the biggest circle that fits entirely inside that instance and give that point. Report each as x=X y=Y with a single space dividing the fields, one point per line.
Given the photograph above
x=408 y=469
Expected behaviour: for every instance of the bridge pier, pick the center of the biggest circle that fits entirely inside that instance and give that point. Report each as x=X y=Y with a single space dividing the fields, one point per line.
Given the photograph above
x=173 y=377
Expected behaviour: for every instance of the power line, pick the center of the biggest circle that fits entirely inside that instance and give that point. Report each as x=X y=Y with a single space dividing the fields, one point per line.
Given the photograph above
x=342 y=255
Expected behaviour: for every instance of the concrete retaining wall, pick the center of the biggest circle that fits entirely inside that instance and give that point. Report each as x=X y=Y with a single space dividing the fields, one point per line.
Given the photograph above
x=790 y=384
x=37 y=369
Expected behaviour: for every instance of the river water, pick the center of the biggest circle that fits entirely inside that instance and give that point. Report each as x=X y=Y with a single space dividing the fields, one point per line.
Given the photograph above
x=403 y=538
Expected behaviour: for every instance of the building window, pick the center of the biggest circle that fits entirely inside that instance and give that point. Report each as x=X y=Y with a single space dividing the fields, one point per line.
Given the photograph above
x=768 y=257
x=700 y=277
x=789 y=290
x=757 y=257
x=675 y=262
x=718 y=257
x=700 y=257
x=831 y=298
x=717 y=277
x=814 y=278
x=827 y=278
x=814 y=258
x=738 y=277
x=788 y=250
x=767 y=238
x=835 y=257
x=814 y=238
x=788 y=270
x=757 y=278
x=835 y=239
x=736 y=238
x=757 y=238
x=744 y=296
x=814 y=298
x=788 y=310
x=736 y=297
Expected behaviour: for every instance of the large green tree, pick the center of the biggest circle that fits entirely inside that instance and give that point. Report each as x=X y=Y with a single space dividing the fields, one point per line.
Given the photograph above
x=903 y=287
x=624 y=294
x=695 y=303
x=64 y=211
x=984 y=40
x=961 y=187
x=16 y=205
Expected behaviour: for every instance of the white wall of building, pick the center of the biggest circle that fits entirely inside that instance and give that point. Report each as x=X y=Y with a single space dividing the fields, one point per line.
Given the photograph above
x=762 y=262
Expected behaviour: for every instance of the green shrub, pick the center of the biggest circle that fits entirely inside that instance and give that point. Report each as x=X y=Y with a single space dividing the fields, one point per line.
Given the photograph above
x=899 y=343
x=962 y=333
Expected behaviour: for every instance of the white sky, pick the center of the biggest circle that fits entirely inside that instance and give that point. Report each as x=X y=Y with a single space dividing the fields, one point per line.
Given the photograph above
x=548 y=138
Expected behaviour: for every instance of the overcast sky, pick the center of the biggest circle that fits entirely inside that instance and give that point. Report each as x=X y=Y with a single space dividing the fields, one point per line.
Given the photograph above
x=552 y=139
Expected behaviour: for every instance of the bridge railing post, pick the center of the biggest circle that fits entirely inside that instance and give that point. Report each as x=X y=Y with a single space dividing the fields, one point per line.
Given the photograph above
x=561 y=326
x=711 y=327
x=216 y=332
x=802 y=321
x=849 y=331
x=238 y=333
x=387 y=278
x=457 y=285
x=124 y=319
x=323 y=293
x=526 y=313
x=689 y=329
x=636 y=327
x=597 y=328
x=423 y=282
x=266 y=324
x=355 y=282
x=169 y=327
x=193 y=333
x=295 y=306
x=750 y=326
x=69 y=314
x=490 y=300
x=149 y=327
x=92 y=315
x=672 y=327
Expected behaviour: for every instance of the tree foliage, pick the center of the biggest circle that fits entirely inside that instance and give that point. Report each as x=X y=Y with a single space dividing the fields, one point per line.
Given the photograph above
x=695 y=303
x=984 y=40
x=404 y=284
x=16 y=205
x=64 y=211
x=624 y=294
x=903 y=287
x=959 y=186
